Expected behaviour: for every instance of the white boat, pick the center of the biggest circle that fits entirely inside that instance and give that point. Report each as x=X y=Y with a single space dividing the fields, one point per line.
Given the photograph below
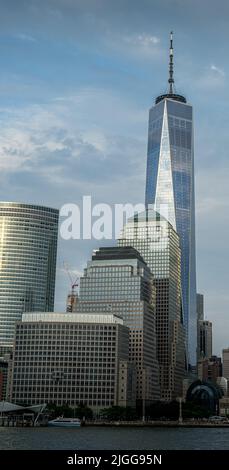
x=65 y=422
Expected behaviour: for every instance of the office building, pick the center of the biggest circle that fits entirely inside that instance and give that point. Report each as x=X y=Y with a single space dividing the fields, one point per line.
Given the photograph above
x=226 y=363
x=72 y=358
x=158 y=243
x=28 y=244
x=204 y=339
x=170 y=187
x=209 y=369
x=5 y=376
x=118 y=280
x=200 y=307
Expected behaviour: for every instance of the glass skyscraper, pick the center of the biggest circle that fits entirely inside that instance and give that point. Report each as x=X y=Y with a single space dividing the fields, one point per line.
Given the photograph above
x=158 y=243
x=28 y=245
x=170 y=187
x=117 y=280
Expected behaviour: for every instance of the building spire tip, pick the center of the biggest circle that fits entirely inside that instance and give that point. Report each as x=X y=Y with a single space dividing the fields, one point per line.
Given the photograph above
x=171 y=79
x=171 y=94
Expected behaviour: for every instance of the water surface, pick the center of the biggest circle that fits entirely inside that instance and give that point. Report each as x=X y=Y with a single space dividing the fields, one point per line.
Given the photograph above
x=90 y=438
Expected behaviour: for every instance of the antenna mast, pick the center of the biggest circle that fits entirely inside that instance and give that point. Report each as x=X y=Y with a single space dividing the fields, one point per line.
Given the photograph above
x=171 y=79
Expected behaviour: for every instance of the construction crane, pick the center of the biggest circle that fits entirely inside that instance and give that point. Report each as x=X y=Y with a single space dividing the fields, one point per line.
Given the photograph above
x=73 y=296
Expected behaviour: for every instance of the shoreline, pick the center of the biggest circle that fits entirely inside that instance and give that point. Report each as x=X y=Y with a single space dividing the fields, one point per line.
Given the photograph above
x=156 y=424
x=125 y=424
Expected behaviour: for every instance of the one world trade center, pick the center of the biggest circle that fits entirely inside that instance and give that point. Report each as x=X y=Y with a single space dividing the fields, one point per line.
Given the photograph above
x=170 y=186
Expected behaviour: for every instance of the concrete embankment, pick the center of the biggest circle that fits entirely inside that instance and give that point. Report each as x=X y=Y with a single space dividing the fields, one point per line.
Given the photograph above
x=167 y=424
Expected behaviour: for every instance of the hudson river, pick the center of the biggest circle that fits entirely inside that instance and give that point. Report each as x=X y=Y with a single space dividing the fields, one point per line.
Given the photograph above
x=92 y=438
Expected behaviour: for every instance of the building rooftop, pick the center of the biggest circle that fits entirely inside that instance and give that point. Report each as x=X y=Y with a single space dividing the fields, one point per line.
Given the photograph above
x=22 y=205
x=171 y=96
x=78 y=317
x=146 y=216
x=115 y=253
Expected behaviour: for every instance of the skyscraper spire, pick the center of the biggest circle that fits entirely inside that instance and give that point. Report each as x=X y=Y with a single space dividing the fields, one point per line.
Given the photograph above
x=171 y=95
x=171 y=79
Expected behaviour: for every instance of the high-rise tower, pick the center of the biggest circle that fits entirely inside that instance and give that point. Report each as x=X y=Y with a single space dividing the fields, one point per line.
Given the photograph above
x=170 y=186
x=28 y=245
x=118 y=280
x=158 y=244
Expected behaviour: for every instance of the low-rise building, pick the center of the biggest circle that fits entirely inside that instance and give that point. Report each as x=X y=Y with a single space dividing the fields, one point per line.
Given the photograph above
x=72 y=358
x=224 y=406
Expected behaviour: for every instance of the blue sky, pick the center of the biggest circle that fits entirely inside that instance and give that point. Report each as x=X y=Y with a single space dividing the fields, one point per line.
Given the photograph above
x=76 y=81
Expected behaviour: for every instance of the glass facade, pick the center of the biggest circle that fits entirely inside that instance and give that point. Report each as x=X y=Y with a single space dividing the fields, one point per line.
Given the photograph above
x=117 y=280
x=28 y=245
x=158 y=243
x=170 y=188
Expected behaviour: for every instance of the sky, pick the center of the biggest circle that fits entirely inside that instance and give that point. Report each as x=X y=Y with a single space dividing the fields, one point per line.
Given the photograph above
x=77 y=79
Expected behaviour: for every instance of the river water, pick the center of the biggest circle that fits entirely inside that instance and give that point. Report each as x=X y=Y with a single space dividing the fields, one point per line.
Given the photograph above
x=92 y=438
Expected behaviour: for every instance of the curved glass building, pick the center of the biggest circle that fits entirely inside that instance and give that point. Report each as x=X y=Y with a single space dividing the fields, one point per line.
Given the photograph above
x=28 y=246
x=170 y=187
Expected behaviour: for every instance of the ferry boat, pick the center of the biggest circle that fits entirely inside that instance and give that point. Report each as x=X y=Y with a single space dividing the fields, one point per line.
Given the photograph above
x=65 y=422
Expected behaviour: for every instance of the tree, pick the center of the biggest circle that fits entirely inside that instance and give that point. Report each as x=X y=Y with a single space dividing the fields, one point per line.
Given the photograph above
x=119 y=413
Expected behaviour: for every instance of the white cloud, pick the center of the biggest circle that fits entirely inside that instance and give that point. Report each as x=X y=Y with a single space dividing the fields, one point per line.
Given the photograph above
x=141 y=45
x=68 y=271
x=15 y=149
x=97 y=139
x=81 y=137
x=217 y=70
x=136 y=45
x=25 y=37
x=212 y=77
x=144 y=40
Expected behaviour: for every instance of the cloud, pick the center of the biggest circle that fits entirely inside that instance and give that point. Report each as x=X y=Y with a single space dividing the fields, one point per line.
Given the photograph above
x=143 y=41
x=88 y=143
x=69 y=271
x=212 y=77
x=25 y=37
x=217 y=70
x=136 y=45
x=64 y=138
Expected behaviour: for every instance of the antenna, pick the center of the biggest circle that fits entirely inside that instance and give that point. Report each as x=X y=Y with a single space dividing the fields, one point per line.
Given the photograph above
x=171 y=79
x=172 y=95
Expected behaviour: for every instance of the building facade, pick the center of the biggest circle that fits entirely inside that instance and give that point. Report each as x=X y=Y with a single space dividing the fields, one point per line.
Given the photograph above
x=204 y=339
x=5 y=376
x=170 y=187
x=226 y=363
x=222 y=382
x=200 y=307
x=224 y=407
x=28 y=244
x=117 y=280
x=72 y=358
x=158 y=243
x=209 y=369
